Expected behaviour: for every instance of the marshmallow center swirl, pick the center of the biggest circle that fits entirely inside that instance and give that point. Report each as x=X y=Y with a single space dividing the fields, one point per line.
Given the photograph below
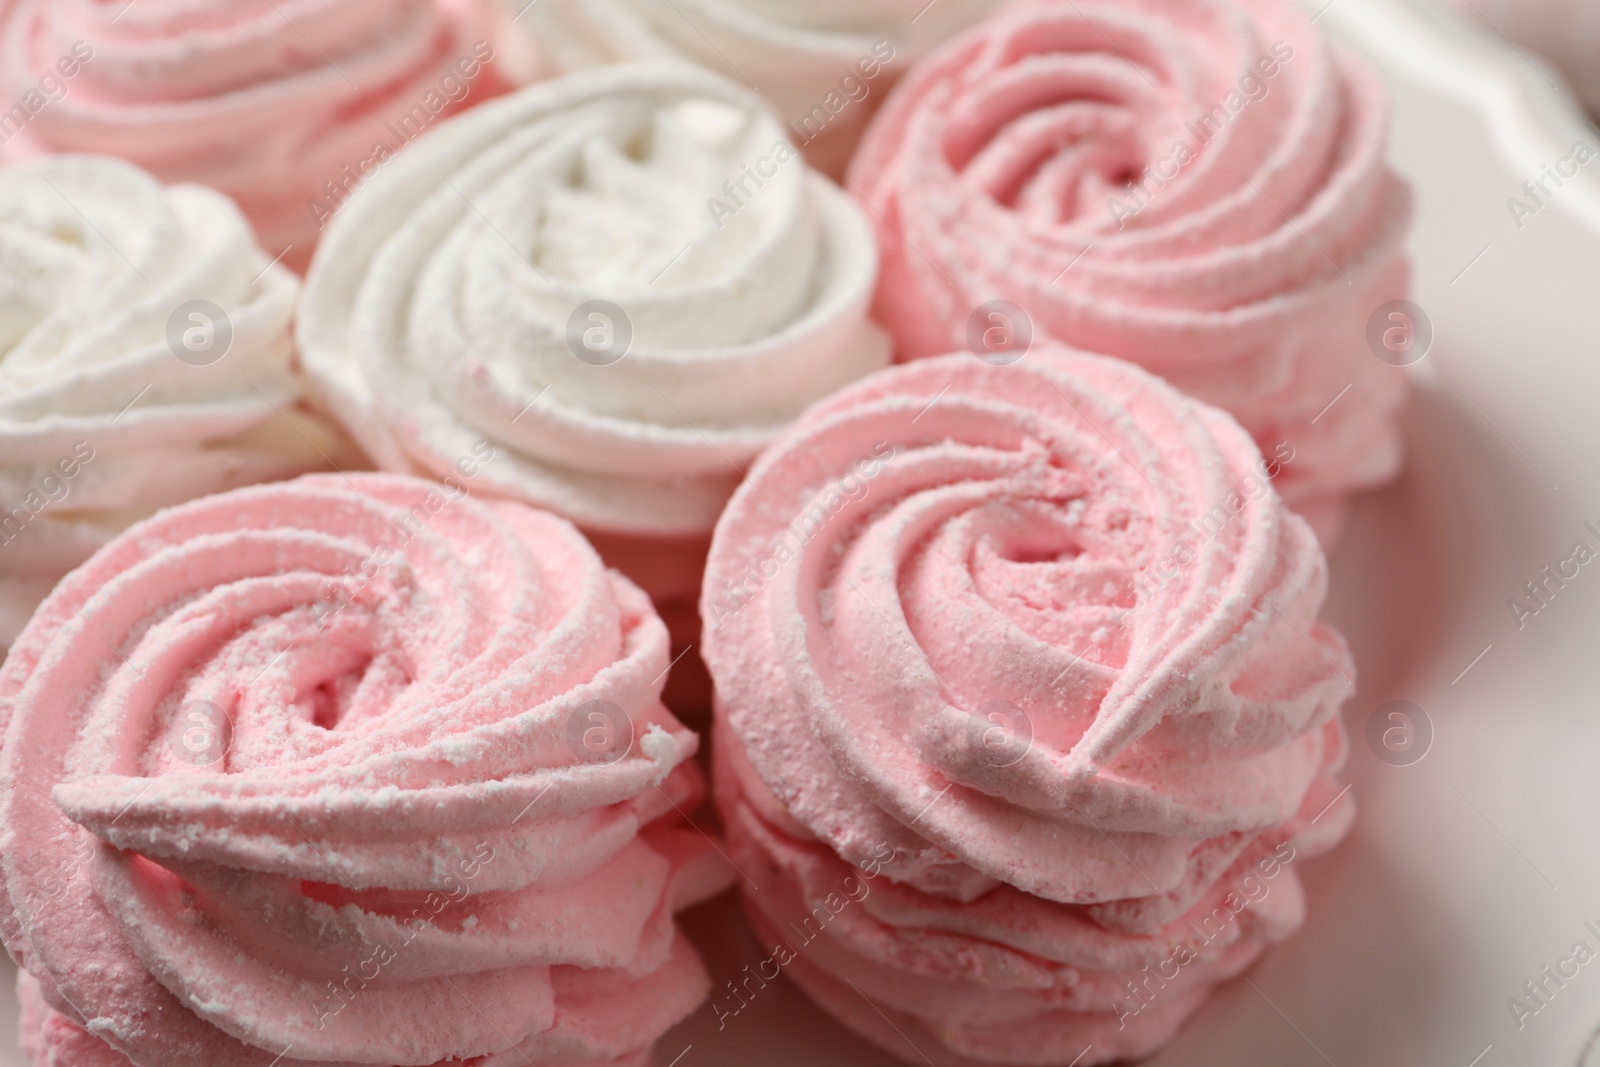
x=306 y=767
x=1047 y=625
x=1196 y=186
x=626 y=278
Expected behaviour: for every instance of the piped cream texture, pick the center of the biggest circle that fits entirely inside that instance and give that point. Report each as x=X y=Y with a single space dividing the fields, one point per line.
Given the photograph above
x=1055 y=673
x=440 y=306
x=1261 y=231
x=826 y=65
x=405 y=850
x=266 y=100
x=111 y=404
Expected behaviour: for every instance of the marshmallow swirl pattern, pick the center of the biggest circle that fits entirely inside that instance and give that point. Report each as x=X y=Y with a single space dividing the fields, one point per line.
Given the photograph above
x=1039 y=644
x=1198 y=187
x=306 y=774
x=824 y=64
x=267 y=100
x=113 y=400
x=454 y=297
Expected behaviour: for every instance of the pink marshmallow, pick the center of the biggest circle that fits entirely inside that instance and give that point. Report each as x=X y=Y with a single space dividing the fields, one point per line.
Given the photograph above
x=1198 y=187
x=353 y=769
x=1038 y=644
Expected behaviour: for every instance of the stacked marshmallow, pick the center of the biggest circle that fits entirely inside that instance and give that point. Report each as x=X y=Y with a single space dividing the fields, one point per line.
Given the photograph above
x=282 y=104
x=1038 y=645
x=625 y=279
x=347 y=770
x=825 y=65
x=147 y=361
x=1197 y=187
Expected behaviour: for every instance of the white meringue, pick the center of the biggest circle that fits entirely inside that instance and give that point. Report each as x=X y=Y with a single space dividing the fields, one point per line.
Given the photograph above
x=446 y=302
x=824 y=64
x=102 y=421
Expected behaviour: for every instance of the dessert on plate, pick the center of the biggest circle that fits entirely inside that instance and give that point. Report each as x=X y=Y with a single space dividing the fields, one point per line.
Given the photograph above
x=1024 y=718
x=147 y=360
x=347 y=769
x=1197 y=186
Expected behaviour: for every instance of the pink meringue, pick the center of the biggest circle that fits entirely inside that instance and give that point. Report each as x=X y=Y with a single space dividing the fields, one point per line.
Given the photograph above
x=1197 y=186
x=1038 y=644
x=285 y=105
x=347 y=770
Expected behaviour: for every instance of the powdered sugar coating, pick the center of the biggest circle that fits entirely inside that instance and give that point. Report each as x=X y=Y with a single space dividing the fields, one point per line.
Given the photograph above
x=104 y=415
x=399 y=669
x=266 y=100
x=1261 y=231
x=826 y=65
x=1072 y=542
x=439 y=307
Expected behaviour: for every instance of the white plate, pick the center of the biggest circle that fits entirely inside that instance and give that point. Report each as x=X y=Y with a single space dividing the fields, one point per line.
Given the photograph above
x=1474 y=868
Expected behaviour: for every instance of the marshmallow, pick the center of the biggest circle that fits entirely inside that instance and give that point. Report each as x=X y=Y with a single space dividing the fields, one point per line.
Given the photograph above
x=148 y=361
x=625 y=279
x=352 y=769
x=281 y=104
x=1198 y=187
x=1038 y=644
x=826 y=65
